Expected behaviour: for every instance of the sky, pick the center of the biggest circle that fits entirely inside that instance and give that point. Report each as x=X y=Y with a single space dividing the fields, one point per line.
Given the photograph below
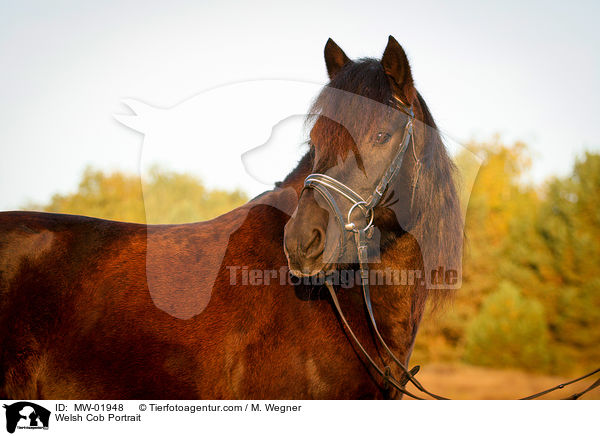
x=525 y=70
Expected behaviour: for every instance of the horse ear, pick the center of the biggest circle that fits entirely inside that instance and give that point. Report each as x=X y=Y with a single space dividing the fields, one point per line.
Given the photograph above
x=396 y=66
x=335 y=58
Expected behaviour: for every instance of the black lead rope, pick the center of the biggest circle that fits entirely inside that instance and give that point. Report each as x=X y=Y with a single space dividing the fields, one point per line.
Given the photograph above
x=390 y=380
x=562 y=385
x=385 y=373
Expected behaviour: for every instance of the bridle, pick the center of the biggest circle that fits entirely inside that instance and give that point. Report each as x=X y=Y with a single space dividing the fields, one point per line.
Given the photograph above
x=323 y=184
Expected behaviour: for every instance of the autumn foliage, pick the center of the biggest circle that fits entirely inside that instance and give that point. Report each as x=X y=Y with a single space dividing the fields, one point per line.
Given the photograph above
x=531 y=278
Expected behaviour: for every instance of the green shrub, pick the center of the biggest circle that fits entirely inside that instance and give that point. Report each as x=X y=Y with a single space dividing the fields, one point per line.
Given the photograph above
x=509 y=331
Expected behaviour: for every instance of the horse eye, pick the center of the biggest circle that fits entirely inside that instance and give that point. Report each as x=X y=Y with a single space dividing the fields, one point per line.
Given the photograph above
x=382 y=138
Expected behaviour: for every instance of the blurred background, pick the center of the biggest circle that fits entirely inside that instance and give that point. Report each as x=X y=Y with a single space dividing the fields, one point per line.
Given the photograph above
x=516 y=84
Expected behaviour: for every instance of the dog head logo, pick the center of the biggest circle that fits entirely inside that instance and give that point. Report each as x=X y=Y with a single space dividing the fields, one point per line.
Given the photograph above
x=26 y=415
x=247 y=134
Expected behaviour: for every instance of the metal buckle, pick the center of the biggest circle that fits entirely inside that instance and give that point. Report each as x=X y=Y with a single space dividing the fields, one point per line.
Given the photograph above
x=350 y=226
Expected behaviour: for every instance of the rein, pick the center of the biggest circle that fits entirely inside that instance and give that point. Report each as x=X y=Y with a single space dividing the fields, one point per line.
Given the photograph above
x=322 y=184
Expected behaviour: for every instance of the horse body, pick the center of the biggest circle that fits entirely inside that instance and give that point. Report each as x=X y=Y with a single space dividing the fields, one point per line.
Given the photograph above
x=78 y=321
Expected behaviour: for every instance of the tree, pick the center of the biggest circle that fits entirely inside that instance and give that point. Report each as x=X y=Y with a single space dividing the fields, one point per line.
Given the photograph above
x=545 y=241
x=509 y=331
x=497 y=202
x=167 y=197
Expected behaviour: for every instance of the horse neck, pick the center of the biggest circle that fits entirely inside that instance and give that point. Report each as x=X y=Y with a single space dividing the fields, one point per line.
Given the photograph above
x=295 y=179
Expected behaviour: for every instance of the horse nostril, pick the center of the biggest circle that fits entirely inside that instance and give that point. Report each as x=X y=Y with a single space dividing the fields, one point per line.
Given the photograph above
x=315 y=245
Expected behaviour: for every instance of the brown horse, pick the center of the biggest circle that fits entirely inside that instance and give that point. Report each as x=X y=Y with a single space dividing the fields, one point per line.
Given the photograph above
x=95 y=309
